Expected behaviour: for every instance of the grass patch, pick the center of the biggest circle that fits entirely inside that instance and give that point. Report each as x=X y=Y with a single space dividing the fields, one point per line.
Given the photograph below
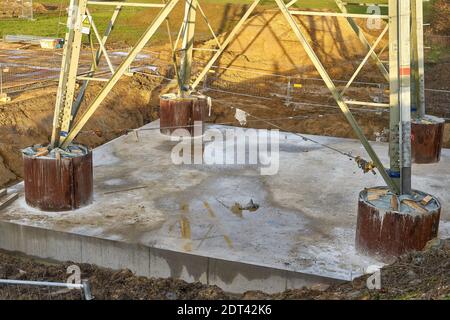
x=50 y=24
x=133 y=21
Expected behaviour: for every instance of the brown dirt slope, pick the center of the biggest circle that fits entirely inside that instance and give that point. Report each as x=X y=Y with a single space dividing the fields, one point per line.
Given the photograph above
x=418 y=275
x=266 y=42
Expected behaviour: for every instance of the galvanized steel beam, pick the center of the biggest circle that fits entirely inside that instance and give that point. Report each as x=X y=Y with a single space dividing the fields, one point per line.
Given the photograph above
x=418 y=59
x=404 y=70
x=338 y=14
x=148 y=34
x=187 y=45
x=69 y=67
x=126 y=4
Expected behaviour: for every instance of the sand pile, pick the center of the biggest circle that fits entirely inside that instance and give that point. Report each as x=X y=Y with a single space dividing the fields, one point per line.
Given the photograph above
x=266 y=42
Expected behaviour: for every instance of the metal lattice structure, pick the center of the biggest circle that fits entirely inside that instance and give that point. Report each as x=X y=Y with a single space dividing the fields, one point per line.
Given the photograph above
x=405 y=72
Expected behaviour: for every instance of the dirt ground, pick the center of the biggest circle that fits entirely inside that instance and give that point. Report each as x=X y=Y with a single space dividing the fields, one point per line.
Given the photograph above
x=418 y=275
x=266 y=43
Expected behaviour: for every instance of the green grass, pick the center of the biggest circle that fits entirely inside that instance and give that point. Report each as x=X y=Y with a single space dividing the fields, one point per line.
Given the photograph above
x=45 y=26
x=128 y=29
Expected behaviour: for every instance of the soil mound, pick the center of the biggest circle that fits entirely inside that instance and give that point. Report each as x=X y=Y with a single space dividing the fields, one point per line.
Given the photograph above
x=417 y=275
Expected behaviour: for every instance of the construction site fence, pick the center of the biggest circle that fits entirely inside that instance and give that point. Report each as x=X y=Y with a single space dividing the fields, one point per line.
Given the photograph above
x=17 y=78
x=24 y=70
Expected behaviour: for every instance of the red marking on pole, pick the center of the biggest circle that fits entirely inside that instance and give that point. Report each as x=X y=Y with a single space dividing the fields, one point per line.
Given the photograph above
x=405 y=71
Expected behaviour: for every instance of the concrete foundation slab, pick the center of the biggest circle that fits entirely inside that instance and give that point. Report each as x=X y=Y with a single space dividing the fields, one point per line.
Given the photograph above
x=160 y=219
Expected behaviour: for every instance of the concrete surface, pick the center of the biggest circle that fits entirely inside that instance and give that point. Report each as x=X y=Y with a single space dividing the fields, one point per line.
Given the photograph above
x=162 y=219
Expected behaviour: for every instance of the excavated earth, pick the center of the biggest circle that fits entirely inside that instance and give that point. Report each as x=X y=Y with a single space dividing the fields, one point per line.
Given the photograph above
x=418 y=275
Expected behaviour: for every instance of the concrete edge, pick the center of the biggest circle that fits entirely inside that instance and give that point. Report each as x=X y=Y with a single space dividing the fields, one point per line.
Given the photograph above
x=231 y=276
